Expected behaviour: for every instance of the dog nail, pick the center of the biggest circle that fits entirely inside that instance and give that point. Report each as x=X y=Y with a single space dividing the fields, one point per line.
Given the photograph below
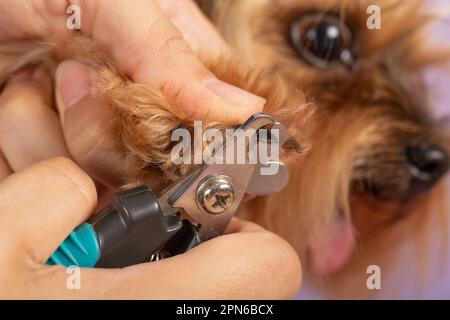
x=234 y=95
x=73 y=82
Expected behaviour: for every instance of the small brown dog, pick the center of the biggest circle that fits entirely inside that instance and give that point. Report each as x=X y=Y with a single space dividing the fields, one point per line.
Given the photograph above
x=376 y=152
x=352 y=96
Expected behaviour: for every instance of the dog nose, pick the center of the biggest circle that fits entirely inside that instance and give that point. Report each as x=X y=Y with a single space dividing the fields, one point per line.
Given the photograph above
x=428 y=163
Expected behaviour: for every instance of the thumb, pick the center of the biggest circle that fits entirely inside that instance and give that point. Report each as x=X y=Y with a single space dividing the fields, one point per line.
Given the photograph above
x=86 y=121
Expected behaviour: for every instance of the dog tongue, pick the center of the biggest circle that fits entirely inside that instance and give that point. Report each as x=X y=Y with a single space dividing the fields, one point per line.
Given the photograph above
x=333 y=250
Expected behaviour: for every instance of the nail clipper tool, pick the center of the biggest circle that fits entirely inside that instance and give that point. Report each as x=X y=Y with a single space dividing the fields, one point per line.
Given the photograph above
x=141 y=226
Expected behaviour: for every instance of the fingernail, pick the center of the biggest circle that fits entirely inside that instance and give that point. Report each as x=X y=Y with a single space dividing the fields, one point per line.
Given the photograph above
x=73 y=82
x=235 y=95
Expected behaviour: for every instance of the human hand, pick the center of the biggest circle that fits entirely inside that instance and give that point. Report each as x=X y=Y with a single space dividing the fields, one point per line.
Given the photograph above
x=33 y=132
x=154 y=42
x=42 y=204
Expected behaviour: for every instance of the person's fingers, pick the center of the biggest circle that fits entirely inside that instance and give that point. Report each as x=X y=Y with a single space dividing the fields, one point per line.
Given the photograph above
x=244 y=265
x=152 y=50
x=86 y=122
x=149 y=49
x=42 y=204
x=29 y=128
x=201 y=35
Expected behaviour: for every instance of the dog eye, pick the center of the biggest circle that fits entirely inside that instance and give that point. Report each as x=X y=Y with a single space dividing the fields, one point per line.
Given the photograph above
x=323 y=40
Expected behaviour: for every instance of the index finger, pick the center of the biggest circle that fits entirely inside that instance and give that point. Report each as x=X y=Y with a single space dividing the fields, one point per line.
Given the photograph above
x=147 y=47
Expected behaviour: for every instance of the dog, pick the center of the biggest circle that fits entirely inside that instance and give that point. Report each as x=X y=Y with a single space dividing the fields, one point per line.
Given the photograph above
x=373 y=158
x=373 y=173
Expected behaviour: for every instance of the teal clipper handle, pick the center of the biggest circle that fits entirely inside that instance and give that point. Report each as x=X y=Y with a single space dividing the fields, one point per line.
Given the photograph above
x=127 y=232
x=80 y=248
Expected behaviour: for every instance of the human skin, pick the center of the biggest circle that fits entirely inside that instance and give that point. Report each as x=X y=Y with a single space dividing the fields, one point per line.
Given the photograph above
x=42 y=200
x=40 y=205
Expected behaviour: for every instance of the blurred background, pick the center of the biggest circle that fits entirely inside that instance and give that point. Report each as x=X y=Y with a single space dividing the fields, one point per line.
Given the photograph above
x=408 y=280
